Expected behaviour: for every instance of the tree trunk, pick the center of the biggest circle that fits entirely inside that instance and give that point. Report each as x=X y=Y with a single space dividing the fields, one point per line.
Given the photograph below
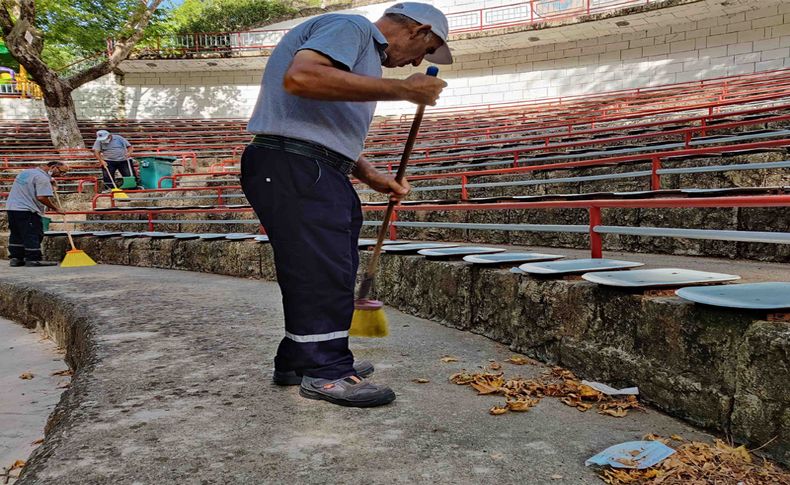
x=63 y=127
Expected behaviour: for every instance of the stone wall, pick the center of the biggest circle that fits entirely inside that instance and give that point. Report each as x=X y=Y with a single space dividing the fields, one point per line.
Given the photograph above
x=721 y=369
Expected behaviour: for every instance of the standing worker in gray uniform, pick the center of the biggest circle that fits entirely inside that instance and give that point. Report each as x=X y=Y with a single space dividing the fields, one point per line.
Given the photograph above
x=113 y=153
x=30 y=196
x=317 y=100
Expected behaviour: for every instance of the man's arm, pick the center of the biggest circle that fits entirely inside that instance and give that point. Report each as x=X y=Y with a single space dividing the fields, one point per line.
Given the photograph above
x=47 y=201
x=129 y=148
x=100 y=158
x=312 y=75
x=386 y=184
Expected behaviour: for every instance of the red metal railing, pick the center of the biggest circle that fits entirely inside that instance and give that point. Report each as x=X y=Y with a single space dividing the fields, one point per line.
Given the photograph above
x=220 y=190
x=593 y=207
x=704 y=125
x=81 y=181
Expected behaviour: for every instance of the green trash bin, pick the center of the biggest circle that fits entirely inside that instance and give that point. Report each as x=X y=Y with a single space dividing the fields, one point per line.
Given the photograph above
x=45 y=223
x=154 y=168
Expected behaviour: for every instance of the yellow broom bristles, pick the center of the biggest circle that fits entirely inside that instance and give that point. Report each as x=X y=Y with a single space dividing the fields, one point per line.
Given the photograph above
x=75 y=258
x=118 y=194
x=369 y=323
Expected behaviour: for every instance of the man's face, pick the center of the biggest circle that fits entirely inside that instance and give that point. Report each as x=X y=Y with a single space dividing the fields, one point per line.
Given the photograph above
x=411 y=45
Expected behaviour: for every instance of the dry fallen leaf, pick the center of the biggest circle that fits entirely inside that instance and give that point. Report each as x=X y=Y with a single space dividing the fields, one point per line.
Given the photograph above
x=462 y=378
x=617 y=413
x=26 y=376
x=67 y=372
x=518 y=360
x=556 y=477
x=485 y=388
x=449 y=358
x=627 y=461
x=696 y=463
x=494 y=366
x=587 y=392
x=677 y=437
x=583 y=406
x=38 y=441
x=421 y=380
x=497 y=410
x=521 y=405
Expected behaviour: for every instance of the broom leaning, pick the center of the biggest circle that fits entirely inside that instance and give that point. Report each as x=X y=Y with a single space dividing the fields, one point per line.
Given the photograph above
x=369 y=319
x=116 y=192
x=74 y=257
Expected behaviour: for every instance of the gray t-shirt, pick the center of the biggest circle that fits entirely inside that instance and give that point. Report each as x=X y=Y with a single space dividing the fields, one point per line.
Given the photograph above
x=354 y=44
x=29 y=184
x=113 y=149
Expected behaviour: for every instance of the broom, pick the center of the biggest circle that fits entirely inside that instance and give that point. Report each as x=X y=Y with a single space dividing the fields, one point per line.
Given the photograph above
x=116 y=192
x=74 y=257
x=369 y=319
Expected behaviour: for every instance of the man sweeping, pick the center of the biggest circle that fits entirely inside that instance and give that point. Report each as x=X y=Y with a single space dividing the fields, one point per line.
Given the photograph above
x=113 y=153
x=317 y=99
x=30 y=196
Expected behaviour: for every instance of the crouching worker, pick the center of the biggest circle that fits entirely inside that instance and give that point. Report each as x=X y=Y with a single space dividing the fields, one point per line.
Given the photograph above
x=29 y=198
x=114 y=154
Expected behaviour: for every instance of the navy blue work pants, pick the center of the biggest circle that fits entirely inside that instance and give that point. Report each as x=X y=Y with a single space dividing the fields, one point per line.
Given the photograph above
x=113 y=166
x=26 y=232
x=313 y=216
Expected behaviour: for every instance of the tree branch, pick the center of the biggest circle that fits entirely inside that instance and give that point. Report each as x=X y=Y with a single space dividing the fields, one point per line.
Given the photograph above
x=27 y=11
x=121 y=48
x=6 y=22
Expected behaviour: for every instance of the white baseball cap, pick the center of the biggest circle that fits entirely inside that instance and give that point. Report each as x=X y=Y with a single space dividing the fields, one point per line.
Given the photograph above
x=102 y=135
x=428 y=15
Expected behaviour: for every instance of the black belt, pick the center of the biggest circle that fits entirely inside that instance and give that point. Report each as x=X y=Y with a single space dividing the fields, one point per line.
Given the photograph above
x=307 y=149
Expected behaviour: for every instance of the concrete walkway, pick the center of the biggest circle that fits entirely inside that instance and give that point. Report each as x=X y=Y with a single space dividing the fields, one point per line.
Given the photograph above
x=175 y=389
x=26 y=403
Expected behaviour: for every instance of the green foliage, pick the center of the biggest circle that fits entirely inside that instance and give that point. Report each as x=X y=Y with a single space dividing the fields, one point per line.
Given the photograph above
x=226 y=15
x=75 y=29
x=6 y=60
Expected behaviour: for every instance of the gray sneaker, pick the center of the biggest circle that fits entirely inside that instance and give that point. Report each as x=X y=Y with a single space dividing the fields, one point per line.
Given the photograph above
x=349 y=391
x=363 y=368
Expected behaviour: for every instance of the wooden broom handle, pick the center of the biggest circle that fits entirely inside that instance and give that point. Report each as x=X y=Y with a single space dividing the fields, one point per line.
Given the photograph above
x=404 y=160
x=68 y=233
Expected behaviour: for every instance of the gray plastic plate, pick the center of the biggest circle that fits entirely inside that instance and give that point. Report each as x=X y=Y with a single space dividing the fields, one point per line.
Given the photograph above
x=365 y=243
x=458 y=251
x=158 y=235
x=262 y=238
x=105 y=234
x=575 y=266
x=81 y=233
x=187 y=235
x=211 y=236
x=131 y=234
x=414 y=247
x=240 y=237
x=55 y=233
x=753 y=296
x=644 y=278
x=511 y=258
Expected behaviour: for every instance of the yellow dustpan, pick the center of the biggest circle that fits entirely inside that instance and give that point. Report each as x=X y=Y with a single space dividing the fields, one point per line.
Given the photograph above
x=116 y=192
x=74 y=257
